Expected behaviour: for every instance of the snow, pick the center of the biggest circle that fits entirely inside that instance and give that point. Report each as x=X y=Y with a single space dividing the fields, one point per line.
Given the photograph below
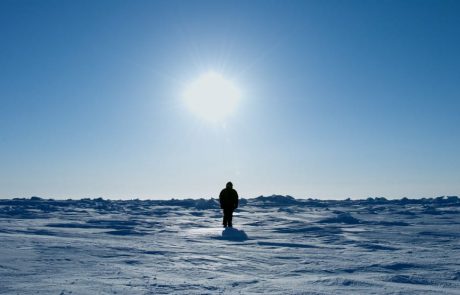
x=279 y=245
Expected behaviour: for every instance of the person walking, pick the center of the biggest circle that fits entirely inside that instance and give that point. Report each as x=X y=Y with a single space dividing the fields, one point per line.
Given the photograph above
x=228 y=199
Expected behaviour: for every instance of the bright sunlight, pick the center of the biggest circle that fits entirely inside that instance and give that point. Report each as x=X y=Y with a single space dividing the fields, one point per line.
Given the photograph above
x=212 y=97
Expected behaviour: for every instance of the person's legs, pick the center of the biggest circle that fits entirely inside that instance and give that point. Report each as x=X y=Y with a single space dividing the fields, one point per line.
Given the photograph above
x=225 y=220
x=229 y=218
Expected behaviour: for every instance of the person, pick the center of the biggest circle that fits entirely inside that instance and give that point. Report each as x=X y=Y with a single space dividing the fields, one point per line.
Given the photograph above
x=228 y=199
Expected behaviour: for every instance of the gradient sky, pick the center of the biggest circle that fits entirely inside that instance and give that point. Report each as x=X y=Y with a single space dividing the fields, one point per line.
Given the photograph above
x=340 y=98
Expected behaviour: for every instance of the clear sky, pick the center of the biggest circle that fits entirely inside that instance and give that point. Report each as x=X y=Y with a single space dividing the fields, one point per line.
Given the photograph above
x=338 y=98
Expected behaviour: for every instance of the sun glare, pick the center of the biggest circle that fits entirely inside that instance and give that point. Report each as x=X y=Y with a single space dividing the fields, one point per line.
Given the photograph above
x=212 y=97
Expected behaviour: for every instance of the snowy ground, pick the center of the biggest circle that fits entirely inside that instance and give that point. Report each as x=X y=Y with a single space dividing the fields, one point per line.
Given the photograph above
x=283 y=246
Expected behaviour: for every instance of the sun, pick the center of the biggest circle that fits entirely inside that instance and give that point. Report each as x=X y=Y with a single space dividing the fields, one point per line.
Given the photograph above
x=212 y=97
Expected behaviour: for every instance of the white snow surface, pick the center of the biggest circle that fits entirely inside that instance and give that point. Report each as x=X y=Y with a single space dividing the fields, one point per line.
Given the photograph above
x=280 y=245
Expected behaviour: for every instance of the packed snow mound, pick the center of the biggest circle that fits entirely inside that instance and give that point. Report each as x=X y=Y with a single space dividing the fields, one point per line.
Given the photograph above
x=342 y=217
x=234 y=234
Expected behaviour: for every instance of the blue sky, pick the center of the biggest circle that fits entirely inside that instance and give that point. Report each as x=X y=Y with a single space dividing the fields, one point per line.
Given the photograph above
x=340 y=98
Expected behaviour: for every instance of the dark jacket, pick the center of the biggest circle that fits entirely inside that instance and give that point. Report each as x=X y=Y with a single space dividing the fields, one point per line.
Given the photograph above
x=228 y=199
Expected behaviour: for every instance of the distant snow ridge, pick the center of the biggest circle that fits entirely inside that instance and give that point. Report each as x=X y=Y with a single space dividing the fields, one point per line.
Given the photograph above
x=276 y=200
x=203 y=204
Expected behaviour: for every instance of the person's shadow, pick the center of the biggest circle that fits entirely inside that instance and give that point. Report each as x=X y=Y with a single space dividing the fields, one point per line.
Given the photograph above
x=234 y=234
